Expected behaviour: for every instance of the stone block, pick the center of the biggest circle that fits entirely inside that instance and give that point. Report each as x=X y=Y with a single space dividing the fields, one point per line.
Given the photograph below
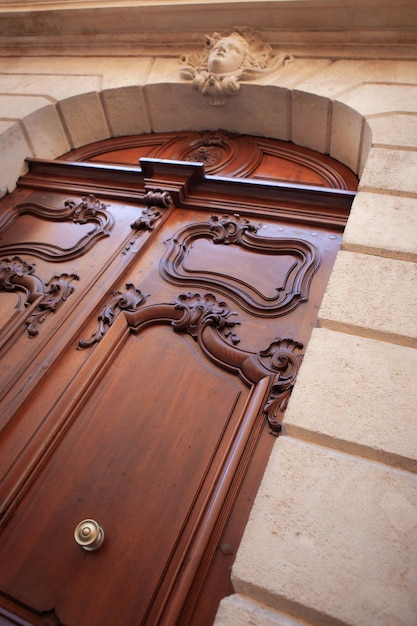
x=14 y=149
x=365 y=147
x=126 y=111
x=311 y=119
x=46 y=133
x=239 y=610
x=385 y=225
x=84 y=119
x=361 y=399
x=17 y=107
x=57 y=87
x=395 y=130
x=254 y=110
x=332 y=539
x=390 y=170
x=347 y=74
x=371 y=99
x=346 y=134
x=373 y=297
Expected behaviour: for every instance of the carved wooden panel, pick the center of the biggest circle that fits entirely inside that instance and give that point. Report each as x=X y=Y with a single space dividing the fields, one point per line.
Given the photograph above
x=226 y=154
x=285 y=267
x=151 y=354
x=88 y=211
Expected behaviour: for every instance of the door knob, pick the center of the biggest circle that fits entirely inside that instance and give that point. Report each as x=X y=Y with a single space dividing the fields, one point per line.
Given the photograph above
x=89 y=535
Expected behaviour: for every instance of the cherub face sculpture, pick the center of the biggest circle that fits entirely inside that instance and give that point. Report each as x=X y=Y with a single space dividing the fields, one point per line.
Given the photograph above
x=228 y=59
x=227 y=55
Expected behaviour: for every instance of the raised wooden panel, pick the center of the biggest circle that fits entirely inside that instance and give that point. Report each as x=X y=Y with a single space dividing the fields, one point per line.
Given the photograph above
x=166 y=413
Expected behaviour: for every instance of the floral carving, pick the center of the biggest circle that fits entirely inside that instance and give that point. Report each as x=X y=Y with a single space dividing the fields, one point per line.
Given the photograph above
x=129 y=300
x=201 y=311
x=228 y=58
x=279 y=357
x=210 y=150
x=17 y=275
x=230 y=229
x=58 y=290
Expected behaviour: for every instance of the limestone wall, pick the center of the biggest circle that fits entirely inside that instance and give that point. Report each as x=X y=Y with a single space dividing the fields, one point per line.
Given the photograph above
x=332 y=538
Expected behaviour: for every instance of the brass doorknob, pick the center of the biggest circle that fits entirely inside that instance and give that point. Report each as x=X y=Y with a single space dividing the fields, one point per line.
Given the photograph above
x=89 y=535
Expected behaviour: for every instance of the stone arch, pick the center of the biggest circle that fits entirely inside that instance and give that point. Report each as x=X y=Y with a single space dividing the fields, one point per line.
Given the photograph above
x=48 y=129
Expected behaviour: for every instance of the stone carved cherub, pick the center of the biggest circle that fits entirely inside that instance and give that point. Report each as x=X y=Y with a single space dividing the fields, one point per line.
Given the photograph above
x=237 y=55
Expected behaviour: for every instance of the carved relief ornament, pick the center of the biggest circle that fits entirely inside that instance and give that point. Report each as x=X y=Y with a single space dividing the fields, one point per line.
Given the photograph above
x=209 y=322
x=18 y=276
x=234 y=230
x=88 y=210
x=228 y=58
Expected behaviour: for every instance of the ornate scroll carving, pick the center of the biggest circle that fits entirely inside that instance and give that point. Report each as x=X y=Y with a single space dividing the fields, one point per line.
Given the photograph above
x=303 y=260
x=156 y=201
x=228 y=58
x=228 y=229
x=129 y=300
x=87 y=211
x=17 y=275
x=280 y=358
x=200 y=311
x=208 y=321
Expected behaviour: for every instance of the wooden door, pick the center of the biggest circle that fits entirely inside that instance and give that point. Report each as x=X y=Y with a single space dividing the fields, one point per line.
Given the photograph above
x=153 y=323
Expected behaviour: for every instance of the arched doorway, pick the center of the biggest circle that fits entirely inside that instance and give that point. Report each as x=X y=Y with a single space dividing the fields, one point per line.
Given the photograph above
x=158 y=318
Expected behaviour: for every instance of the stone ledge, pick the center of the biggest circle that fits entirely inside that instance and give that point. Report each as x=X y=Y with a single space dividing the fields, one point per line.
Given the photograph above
x=331 y=539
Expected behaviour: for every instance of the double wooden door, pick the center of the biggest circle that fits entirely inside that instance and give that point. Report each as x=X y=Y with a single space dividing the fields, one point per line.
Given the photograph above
x=153 y=324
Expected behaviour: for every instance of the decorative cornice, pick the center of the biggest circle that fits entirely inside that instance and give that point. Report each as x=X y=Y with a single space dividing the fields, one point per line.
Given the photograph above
x=109 y=24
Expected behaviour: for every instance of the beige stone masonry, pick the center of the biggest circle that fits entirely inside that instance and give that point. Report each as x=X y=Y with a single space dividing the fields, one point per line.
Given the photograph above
x=343 y=76
x=373 y=98
x=126 y=111
x=84 y=119
x=362 y=399
x=391 y=170
x=383 y=225
x=53 y=87
x=346 y=135
x=239 y=610
x=332 y=539
x=14 y=149
x=311 y=119
x=396 y=130
x=46 y=133
x=172 y=104
x=373 y=297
